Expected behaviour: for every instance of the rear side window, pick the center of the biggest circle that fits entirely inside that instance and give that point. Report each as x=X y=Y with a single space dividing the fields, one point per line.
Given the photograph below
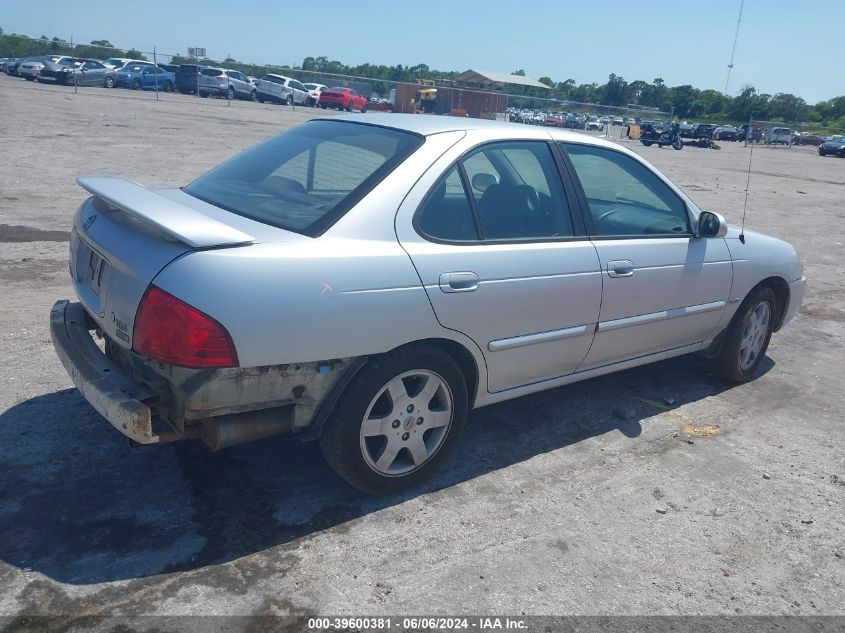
x=511 y=191
x=305 y=179
x=446 y=213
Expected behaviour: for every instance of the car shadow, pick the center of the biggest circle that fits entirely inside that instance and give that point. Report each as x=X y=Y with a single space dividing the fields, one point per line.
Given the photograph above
x=80 y=506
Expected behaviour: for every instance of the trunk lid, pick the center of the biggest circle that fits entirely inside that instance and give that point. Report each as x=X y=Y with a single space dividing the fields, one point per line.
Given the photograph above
x=125 y=235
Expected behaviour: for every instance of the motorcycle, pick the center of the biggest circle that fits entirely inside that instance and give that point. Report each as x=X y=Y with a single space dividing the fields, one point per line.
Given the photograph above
x=671 y=136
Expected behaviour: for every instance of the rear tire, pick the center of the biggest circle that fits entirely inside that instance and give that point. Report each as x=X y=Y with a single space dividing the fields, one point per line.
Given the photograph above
x=748 y=336
x=230 y=93
x=168 y=86
x=253 y=96
x=397 y=421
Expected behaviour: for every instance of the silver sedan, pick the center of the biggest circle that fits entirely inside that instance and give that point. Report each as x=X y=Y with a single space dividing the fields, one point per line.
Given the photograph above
x=366 y=280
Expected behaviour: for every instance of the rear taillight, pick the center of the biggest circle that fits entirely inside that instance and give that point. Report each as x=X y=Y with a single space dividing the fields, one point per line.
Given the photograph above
x=170 y=331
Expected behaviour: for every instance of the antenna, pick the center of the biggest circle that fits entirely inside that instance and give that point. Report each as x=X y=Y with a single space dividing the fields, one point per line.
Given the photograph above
x=745 y=204
x=733 y=50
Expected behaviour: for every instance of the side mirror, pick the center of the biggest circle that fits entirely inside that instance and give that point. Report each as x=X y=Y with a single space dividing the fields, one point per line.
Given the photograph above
x=711 y=225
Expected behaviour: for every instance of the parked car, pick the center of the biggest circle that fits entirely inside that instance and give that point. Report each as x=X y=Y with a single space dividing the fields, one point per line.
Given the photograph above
x=315 y=90
x=59 y=72
x=188 y=78
x=11 y=66
x=704 y=130
x=834 y=146
x=618 y=121
x=342 y=99
x=778 y=136
x=686 y=130
x=574 y=122
x=84 y=72
x=343 y=224
x=32 y=67
x=144 y=77
x=553 y=119
x=281 y=89
x=222 y=82
x=119 y=62
x=726 y=133
x=593 y=123
x=806 y=138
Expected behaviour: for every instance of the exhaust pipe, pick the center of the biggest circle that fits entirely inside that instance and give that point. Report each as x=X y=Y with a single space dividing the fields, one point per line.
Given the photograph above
x=229 y=430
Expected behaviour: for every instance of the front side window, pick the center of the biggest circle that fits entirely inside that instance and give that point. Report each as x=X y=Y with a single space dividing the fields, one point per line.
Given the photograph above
x=305 y=179
x=626 y=198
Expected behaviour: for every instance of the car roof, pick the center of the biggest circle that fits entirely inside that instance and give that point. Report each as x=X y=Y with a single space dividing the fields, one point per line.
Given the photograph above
x=426 y=125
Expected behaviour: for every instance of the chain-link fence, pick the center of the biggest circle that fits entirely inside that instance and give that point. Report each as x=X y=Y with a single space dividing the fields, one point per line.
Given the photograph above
x=430 y=96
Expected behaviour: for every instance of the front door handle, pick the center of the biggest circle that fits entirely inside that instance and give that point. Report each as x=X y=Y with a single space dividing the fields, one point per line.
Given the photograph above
x=620 y=268
x=458 y=282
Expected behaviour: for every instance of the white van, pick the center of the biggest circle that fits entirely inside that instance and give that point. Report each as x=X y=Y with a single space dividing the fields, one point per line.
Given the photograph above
x=778 y=135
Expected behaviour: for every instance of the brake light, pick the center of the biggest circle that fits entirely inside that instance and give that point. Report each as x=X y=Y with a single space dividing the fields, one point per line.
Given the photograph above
x=170 y=331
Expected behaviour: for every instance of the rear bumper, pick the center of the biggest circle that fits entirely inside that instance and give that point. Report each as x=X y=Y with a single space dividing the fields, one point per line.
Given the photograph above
x=115 y=396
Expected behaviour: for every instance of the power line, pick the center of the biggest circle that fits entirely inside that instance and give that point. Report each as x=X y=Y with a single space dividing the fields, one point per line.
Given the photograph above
x=733 y=50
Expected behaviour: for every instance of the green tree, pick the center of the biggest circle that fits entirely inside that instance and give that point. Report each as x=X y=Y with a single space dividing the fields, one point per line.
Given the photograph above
x=682 y=99
x=788 y=107
x=615 y=91
x=133 y=54
x=103 y=43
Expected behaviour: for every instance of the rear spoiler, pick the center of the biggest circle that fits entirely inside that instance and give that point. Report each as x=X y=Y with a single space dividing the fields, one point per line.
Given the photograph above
x=176 y=220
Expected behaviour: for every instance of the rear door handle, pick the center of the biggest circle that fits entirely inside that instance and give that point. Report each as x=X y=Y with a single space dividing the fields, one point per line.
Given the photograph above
x=620 y=268
x=458 y=282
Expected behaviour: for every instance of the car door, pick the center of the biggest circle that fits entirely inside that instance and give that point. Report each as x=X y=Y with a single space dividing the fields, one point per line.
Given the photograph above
x=300 y=94
x=663 y=289
x=87 y=74
x=505 y=261
x=240 y=83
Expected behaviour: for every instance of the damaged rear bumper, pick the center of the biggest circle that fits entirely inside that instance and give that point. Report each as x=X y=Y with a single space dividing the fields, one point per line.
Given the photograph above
x=151 y=403
x=115 y=396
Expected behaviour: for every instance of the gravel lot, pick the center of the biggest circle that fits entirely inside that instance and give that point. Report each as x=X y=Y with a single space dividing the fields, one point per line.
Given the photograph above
x=711 y=499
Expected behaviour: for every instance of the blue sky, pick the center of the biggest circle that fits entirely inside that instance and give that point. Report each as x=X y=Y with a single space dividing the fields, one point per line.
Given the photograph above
x=782 y=43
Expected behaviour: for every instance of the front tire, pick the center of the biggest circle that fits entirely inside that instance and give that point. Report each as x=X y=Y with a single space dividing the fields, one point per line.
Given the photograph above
x=289 y=100
x=397 y=421
x=748 y=337
x=136 y=84
x=109 y=82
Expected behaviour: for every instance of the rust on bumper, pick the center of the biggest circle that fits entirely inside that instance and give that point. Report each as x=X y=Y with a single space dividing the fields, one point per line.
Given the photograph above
x=115 y=396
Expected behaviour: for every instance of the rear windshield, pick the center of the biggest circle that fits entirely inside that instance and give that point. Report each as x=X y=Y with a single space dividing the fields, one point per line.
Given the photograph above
x=305 y=179
x=211 y=72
